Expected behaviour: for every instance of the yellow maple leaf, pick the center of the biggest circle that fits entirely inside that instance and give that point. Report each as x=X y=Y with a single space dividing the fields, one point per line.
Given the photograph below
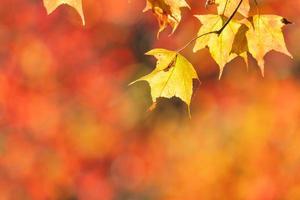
x=167 y=12
x=265 y=34
x=240 y=44
x=51 y=5
x=220 y=45
x=172 y=77
x=227 y=7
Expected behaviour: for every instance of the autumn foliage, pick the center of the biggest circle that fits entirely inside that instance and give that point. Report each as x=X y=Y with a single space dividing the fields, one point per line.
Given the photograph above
x=227 y=36
x=74 y=123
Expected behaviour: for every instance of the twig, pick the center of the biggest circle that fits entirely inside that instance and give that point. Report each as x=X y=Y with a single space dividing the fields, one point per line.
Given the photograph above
x=218 y=32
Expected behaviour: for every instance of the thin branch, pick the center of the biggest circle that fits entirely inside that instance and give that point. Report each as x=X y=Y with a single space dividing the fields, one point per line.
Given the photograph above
x=231 y=17
x=195 y=38
x=218 y=32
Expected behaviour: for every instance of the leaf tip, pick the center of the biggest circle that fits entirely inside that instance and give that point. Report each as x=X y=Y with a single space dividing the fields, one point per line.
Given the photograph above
x=261 y=64
x=285 y=21
x=152 y=107
x=221 y=73
x=133 y=82
x=189 y=112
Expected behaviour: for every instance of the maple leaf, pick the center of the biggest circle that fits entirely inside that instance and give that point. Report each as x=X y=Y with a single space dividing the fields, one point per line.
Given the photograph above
x=51 y=5
x=173 y=76
x=265 y=34
x=220 y=45
x=167 y=12
x=240 y=44
x=227 y=7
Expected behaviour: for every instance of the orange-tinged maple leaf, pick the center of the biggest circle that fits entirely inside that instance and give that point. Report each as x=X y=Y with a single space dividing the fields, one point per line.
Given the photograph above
x=219 y=45
x=265 y=34
x=167 y=12
x=51 y=5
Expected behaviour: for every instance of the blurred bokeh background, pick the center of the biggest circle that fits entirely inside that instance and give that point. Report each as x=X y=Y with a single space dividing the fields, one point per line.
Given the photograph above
x=72 y=129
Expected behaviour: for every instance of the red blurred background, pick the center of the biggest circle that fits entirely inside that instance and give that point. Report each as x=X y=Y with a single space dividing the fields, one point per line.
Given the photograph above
x=71 y=127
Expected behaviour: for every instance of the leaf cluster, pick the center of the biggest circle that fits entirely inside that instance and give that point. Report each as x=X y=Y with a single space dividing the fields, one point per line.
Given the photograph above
x=229 y=33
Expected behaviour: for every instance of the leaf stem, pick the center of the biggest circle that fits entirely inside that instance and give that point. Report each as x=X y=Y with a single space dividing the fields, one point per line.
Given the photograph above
x=195 y=38
x=218 y=32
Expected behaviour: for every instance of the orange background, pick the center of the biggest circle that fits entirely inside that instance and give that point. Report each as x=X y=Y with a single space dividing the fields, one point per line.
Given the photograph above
x=71 y=127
